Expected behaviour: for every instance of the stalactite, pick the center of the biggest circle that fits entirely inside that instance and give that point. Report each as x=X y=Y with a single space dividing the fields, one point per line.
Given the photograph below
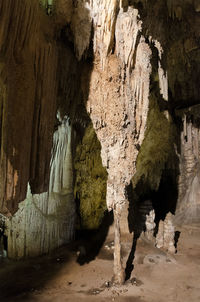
x=175 y=9
x=128 y=27
x=81 y=25
x=104 y=14
x=45 y=221
x=163 y=77
x=118 y=103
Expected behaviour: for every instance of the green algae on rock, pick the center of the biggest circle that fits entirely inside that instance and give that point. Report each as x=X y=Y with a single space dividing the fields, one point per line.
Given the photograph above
x=157 y=148
x=91 y=178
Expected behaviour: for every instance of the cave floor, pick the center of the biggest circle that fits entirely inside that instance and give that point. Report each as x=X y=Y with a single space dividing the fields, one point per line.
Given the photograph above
x=156 y=277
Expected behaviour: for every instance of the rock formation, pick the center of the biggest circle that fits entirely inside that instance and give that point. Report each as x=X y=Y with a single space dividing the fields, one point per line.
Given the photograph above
x=165 y=235
x=45 y=221
x=188 y=206
x=126 y=70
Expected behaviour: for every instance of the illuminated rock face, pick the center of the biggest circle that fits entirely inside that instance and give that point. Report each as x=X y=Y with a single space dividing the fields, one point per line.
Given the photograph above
x=165 y=235
x=45 y=221
x=118 y=102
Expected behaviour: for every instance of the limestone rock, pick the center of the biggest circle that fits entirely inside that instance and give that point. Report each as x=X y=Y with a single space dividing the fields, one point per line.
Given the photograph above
x=150 y=225
x=166 y=233
x=118 y=122
x=188 y=207
x=45 y=221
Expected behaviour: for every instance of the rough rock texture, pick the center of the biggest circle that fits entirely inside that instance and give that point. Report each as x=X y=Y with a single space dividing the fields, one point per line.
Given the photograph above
x=166 y=233
x=118 y=122
x=91 y=178
x=115 y=89
x=150 y=225
x=28 y=100
x=188 y=208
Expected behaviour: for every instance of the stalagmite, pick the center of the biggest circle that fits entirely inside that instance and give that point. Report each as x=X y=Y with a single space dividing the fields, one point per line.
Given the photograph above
x=119 y=274
x=46 y=221
x=166 y=233
x=150 y=225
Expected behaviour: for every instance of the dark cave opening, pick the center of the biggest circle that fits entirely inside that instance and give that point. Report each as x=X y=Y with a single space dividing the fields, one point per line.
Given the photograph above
x=165 y=199
x=142 y=200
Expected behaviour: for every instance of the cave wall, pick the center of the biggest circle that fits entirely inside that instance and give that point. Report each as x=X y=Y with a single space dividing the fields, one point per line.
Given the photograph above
x=28 y=100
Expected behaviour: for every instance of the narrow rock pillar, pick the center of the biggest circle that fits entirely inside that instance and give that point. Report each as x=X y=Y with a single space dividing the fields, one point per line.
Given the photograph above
x=119 y=273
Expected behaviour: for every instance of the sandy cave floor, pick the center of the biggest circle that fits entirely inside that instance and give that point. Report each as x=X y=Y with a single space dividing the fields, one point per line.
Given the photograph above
x=157 y=276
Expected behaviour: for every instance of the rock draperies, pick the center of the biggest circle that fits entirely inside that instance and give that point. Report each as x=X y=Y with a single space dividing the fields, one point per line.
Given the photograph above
x=45 y=221
x=28 y=90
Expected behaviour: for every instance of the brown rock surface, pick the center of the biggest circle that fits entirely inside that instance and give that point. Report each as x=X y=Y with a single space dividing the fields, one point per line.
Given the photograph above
x=28 y=103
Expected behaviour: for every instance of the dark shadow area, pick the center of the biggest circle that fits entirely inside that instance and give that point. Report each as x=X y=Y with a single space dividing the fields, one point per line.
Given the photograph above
x=176 y=239
x=138 y=209
x=3 y=239
x=91 y=241
x=157 y=189
x=142 y=200
x=21 y=278
x=129 y=264
x=162 y=201
x=165 y=199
